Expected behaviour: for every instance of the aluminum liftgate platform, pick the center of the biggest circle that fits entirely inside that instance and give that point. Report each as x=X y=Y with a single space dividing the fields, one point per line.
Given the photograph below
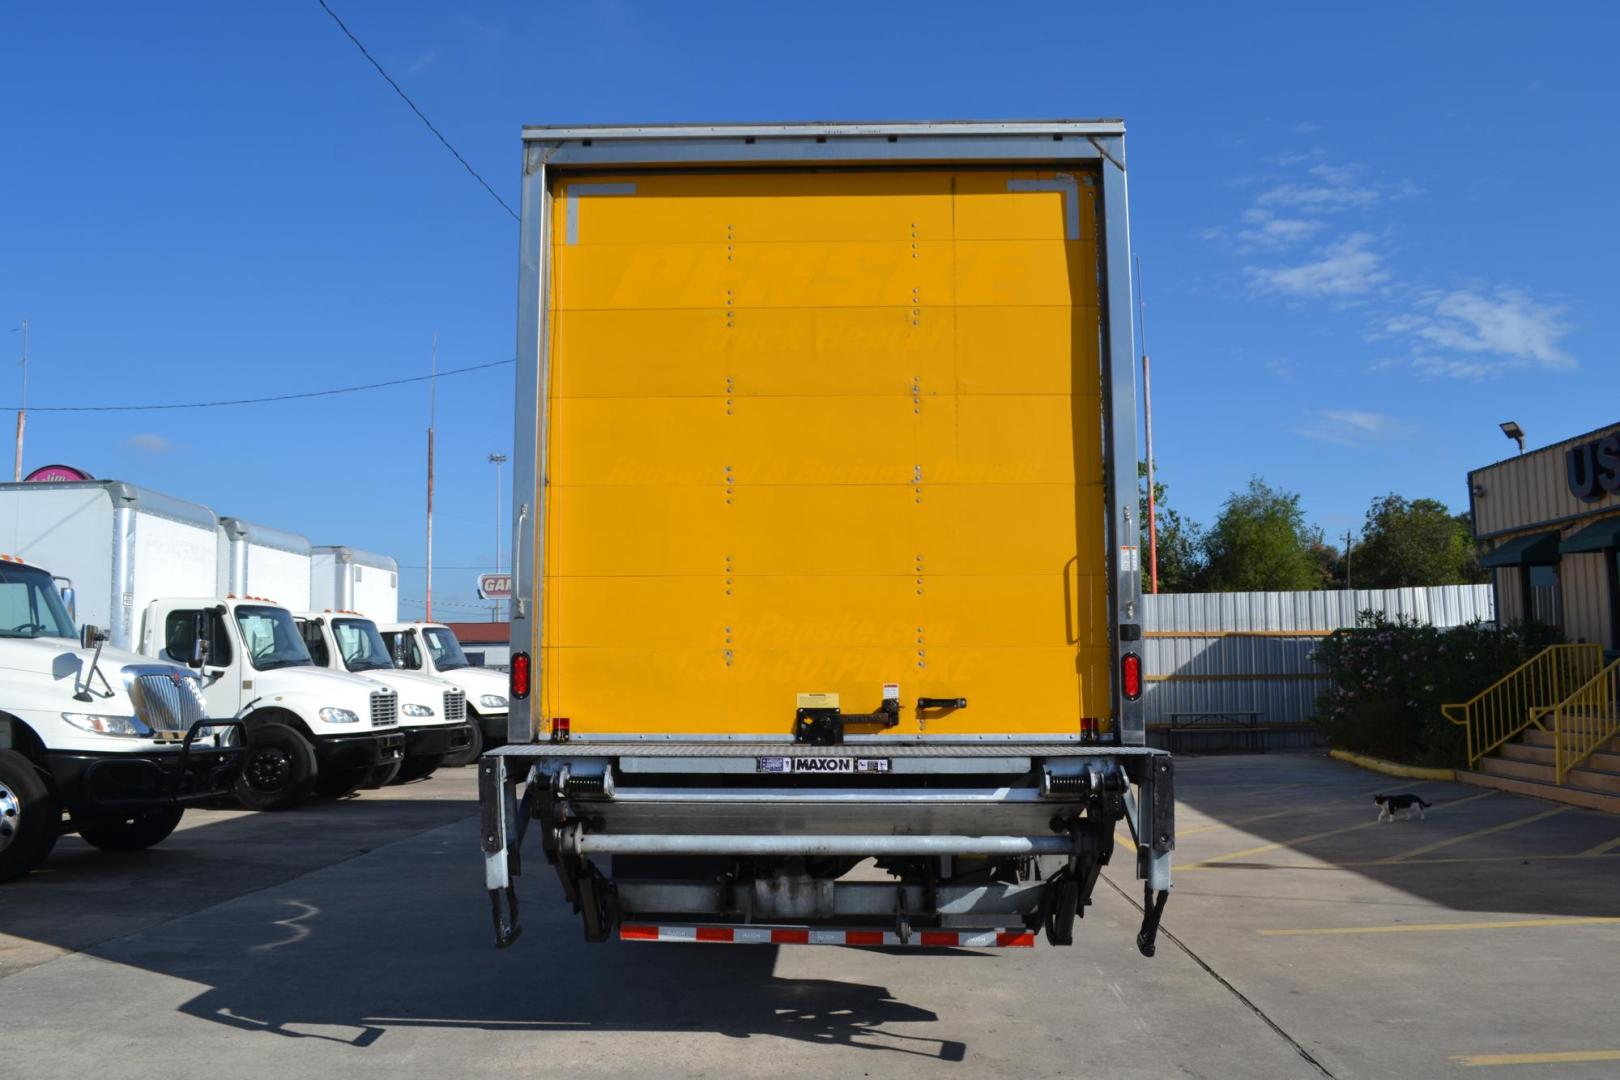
x=983 y=798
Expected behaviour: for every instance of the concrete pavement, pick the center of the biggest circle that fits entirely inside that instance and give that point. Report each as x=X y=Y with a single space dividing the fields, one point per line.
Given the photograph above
x=353 y=939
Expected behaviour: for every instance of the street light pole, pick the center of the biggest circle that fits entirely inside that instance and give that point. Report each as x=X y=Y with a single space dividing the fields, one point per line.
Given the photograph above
x=496 y=460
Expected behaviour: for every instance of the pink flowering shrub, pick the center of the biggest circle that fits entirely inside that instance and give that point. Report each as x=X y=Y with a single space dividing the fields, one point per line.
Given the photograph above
x=1388 y=679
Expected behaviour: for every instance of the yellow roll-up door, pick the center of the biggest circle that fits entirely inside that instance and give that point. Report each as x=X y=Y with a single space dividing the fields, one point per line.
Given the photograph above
x=823 y=432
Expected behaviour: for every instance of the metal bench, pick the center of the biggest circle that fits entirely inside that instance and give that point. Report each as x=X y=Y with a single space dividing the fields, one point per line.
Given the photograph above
x=1244 y=723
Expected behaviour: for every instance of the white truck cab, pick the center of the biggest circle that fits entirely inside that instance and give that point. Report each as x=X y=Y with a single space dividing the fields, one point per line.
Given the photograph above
x=307 y=729
x=432 y=712
x=432 y=649
x=93 y=740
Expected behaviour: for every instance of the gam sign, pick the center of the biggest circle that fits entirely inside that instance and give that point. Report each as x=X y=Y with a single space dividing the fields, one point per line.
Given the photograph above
x=1593 y=468
x=495 y=586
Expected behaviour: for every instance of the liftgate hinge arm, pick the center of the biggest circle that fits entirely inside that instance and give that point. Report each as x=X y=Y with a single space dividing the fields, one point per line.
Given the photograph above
x=503 y=821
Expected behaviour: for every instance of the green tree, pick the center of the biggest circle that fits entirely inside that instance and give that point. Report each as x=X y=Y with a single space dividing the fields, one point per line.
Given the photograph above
x=1414 y=542
x=1180 y=541
x=1260 y=541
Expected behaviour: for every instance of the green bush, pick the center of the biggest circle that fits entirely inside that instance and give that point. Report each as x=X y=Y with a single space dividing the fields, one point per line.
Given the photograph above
x=1390 y=677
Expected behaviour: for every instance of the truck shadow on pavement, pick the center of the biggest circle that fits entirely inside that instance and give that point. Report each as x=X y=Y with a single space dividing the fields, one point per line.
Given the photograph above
x=344 y=921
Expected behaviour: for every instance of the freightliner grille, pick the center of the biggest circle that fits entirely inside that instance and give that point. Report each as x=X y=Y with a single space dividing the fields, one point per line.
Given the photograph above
x=455 y=705
x=167 y=701
x=384 y=708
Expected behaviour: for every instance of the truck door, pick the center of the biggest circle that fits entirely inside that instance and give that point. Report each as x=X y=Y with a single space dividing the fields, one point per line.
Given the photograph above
x=222 y=686
x=314 y=635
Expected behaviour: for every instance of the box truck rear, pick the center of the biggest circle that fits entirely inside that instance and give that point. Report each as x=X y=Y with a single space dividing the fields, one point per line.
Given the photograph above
x=826 y=547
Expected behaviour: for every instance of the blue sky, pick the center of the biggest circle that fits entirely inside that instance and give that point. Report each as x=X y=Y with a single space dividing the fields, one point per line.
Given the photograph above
x=1368 y=233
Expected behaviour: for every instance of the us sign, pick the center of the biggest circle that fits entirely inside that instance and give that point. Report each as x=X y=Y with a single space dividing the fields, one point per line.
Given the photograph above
x=1593 y=468
x=495 y=586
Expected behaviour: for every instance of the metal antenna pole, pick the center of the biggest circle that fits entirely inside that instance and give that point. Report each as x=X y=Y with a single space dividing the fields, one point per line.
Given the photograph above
x=1349 y=539
x=1147 y=402
x=433 y=408
x=22 y=411
x=496 y=459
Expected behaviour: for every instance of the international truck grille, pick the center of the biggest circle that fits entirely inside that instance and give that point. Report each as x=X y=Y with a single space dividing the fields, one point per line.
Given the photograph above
x=455 y=706
x=384 y=708
x=168 y=702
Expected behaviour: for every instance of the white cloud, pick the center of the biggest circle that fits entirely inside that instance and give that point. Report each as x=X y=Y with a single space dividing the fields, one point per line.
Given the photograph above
x=1265 y=229
x=150 y=442
x=1282 y=368
x=1305 y=127
x=1506 y=323
x=1346 y=268
x=1350 y=427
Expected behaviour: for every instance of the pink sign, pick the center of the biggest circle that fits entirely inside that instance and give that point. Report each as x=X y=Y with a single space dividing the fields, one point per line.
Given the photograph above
x=49 y=474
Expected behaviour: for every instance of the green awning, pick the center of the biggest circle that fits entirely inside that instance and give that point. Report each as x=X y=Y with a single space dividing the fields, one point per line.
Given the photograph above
x=1523 y=551
x=1598 y=536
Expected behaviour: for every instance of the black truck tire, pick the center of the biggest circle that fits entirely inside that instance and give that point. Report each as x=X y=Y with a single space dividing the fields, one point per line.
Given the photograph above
x=473 y=750
x=419 y=767
x=29 y=816
x=381 y=775
x=278 y=769
x=130 y=832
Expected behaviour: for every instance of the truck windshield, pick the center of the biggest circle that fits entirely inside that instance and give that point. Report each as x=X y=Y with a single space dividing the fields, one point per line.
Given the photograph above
x=30 y=606
x=445 y=649
x=361 y=645
x=271 y=638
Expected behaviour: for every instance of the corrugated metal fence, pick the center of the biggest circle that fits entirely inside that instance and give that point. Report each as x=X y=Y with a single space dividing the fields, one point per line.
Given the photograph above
x=1223 y=660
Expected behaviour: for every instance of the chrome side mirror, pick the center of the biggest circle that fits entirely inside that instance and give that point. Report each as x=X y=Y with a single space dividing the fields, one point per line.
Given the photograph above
x=91 y=635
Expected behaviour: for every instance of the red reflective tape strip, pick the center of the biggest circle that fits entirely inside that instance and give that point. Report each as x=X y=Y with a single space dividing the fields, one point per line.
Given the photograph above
x=1018 y=939
x=714 y=933
x=863 y=937
x=638 y=933
x=934 y=938
x=790 y=937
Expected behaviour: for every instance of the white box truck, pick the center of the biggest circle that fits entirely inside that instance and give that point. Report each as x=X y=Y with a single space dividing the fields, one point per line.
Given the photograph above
x=122 y=546
x=260 y=561
x=349 y=579
x=826 y=546
x=433 y=649
x=93 y=740
x=432 y=712
x=134 y=556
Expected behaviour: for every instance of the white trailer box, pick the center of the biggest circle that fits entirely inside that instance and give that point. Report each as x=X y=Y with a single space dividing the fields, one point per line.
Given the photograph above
x=348 y=579
x=256 y=560
x=122 y=546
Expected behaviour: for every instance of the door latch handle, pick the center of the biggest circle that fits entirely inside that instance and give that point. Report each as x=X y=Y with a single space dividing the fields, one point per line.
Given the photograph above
x=942 y=703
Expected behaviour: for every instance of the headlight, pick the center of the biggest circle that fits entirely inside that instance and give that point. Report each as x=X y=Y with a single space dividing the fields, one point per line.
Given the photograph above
x=416 y=710
x=339 y=716
x=126 y=726
x=492 y=701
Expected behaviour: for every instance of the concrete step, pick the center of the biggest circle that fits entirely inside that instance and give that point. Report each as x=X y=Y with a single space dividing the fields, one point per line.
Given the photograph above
x=1537 y=737
x=1544 y=755
x=1522 y=770
x=1568 y=793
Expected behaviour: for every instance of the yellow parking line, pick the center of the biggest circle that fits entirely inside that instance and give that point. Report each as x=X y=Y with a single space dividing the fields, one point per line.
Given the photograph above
x=1438 y=844
x=1240 y=822
x=1557 y=1057
x=1603 y=848
x=1421 y=928
x=1263 y=848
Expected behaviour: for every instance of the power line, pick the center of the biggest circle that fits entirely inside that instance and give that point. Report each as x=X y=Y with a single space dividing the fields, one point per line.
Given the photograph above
x=419 y=114
x=263 y=400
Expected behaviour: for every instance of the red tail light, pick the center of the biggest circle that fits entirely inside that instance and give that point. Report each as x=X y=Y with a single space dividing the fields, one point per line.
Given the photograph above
x=520 y=675
x=561 y=728
x=1130 y=675
x=1088 y=729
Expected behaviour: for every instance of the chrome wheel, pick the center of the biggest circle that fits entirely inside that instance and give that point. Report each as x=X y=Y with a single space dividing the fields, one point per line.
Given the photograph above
x=10 y=816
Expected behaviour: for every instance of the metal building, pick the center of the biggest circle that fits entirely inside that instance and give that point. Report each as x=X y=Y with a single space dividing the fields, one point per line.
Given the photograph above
x=1550 y=520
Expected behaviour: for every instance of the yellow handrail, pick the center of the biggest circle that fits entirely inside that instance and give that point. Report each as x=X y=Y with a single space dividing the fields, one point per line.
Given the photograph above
x=1585 y=721
x=1524 y=696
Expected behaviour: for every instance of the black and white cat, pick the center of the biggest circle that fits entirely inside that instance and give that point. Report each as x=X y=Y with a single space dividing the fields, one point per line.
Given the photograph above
x=1388 y=804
